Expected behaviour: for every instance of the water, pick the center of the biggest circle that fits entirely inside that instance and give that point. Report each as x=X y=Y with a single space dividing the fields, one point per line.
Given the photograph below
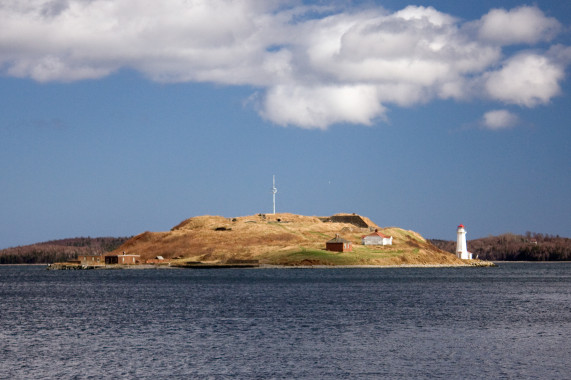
x=511 y=322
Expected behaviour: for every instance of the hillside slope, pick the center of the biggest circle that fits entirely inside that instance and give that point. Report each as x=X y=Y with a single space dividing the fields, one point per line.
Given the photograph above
x=284 y=239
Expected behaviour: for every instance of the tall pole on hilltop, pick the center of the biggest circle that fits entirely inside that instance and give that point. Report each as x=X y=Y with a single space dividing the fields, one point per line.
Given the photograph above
x=274 y=191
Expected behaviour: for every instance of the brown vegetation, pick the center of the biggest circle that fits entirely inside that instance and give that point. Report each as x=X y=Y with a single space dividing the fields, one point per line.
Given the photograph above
x=511 y=247
x=59 y=250
x=283 y=239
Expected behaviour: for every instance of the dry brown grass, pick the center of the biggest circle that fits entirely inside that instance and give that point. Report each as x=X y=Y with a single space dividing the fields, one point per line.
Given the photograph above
x=263 y=237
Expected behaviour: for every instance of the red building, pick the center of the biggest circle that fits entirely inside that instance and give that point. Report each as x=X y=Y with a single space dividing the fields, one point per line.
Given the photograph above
x=338 y=244
x=91 y=259
x=122 y=259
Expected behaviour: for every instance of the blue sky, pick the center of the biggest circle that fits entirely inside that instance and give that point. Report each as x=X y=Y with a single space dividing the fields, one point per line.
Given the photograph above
x=119 y=117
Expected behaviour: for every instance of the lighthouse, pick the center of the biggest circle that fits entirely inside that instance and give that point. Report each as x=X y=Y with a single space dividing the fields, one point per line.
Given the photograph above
x=461 y=249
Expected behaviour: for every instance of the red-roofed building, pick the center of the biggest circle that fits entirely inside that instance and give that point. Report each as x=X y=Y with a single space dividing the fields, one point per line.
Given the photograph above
x=377 y=238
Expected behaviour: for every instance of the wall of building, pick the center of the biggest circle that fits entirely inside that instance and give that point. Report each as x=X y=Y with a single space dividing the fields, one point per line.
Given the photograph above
x=339 y=247
x=377 y=240
x=355 y=220
x=91 y=259
x=121 y=259
x=373 y=240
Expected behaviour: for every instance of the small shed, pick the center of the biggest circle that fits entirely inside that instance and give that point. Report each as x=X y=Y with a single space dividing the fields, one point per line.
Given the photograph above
x=338 y=244
x=377 y=238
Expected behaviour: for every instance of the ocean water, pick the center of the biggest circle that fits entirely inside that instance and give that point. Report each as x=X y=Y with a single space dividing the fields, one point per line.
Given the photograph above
x=508 y=322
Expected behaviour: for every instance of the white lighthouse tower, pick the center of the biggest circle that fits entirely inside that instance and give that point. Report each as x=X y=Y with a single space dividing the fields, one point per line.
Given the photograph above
x=461 y=249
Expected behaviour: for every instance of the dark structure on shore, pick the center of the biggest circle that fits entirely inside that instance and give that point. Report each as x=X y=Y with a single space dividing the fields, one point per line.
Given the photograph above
x=122 y=259
x=91 y=259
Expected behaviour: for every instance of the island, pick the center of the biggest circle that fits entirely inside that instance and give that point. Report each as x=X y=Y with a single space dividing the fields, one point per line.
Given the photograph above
x=271 y=240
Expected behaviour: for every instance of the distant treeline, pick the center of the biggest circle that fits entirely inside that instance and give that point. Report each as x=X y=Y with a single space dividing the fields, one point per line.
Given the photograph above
x=59 y=250
x=511 y=247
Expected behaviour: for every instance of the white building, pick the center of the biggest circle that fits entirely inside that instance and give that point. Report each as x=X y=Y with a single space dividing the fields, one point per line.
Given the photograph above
x=461 y=248
x=377 y=238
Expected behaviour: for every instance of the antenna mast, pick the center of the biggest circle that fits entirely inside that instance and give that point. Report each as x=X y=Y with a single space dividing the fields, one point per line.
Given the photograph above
x=274 y=191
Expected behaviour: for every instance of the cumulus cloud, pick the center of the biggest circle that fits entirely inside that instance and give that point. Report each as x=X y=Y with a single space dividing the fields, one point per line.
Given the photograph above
x=312 y=66
x=519 y=25
x=526 y=79
x=319 y=107
x=499 y=119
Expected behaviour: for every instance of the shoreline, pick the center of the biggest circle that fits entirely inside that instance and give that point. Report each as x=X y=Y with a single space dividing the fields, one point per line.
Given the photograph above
x=56 y=266
x=153 y=266
x=531 y=262
x=270 y=266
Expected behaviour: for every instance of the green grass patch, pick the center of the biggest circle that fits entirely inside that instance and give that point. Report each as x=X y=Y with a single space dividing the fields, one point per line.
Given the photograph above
x=306 y=256
x=318 y=256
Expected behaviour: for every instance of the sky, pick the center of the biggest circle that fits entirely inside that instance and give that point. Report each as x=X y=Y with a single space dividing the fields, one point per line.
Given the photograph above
x=124 y=116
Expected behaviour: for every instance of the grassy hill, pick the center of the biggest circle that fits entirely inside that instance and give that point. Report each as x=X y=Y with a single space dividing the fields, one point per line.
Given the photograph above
x=284 y=239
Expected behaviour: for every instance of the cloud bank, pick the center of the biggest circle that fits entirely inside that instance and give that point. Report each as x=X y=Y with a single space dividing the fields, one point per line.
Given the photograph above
x=311 y=66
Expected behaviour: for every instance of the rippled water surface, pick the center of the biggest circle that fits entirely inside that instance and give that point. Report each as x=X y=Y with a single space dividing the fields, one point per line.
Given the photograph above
x=513 y=321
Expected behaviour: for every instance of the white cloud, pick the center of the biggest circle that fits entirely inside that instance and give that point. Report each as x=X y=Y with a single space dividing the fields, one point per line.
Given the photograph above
x=499 y=119
x=51 y=67
x=520 y=25
x=341 y=66
x=526 y=79
x=319 y=107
